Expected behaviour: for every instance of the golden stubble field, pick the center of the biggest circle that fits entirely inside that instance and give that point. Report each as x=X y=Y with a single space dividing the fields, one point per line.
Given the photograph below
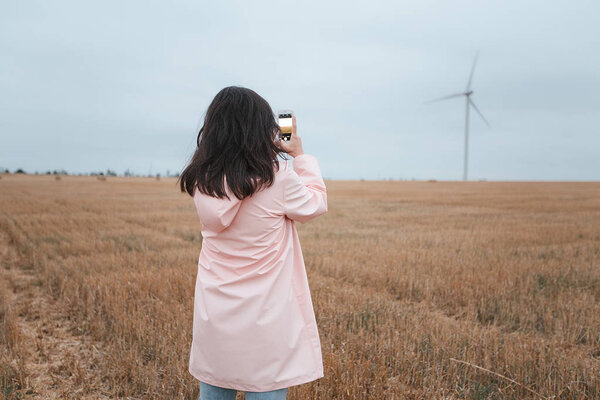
x=422 y=290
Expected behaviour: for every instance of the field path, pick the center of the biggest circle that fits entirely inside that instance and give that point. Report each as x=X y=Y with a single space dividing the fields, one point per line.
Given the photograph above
x=56 y=359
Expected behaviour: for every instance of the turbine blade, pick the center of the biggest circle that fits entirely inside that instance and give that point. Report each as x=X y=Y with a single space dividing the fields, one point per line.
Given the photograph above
x=472 y=71
x=444 y=98
x=479 y=112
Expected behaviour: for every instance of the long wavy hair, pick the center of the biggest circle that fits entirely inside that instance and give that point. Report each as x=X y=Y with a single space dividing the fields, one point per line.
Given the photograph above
x=235 y=146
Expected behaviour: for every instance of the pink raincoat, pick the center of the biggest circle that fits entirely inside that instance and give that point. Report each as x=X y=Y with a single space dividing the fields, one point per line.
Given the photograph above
x=254 y=326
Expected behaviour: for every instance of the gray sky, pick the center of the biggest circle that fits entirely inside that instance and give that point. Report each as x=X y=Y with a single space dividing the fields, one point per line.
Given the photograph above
x=89 y=86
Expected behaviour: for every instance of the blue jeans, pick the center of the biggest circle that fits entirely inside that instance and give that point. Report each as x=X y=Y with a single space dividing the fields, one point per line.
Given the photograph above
x=210 y=392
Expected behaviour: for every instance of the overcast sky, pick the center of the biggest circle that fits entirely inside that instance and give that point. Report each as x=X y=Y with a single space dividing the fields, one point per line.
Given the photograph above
x=86 y=86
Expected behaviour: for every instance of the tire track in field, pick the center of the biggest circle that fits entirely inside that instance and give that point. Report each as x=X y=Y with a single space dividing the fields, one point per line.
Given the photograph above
x=53 y=357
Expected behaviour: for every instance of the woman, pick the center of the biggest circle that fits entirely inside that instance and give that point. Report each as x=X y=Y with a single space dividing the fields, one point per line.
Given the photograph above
x=254 y=327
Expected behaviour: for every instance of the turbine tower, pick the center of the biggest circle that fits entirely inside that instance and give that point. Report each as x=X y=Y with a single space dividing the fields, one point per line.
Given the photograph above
x=468 y=103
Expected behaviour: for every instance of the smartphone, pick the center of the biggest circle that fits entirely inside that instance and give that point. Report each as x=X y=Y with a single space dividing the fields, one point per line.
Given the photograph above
x=285 y=124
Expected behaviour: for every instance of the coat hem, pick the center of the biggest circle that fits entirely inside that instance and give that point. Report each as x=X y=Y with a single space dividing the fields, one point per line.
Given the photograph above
x=253 y=388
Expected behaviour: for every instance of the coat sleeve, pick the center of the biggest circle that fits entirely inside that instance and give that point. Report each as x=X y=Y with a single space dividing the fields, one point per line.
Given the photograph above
x=305 y=194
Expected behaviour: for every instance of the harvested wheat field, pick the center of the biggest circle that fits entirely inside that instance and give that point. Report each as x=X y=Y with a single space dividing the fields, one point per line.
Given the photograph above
x=422 y=290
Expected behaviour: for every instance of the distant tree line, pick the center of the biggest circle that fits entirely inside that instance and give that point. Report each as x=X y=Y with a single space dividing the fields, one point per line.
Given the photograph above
x=108 y=172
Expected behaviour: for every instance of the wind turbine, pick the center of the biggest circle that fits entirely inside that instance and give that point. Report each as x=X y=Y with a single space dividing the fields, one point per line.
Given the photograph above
x=468 y=103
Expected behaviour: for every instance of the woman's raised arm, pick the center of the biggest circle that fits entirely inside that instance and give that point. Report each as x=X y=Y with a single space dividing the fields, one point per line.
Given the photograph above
x=305 y=194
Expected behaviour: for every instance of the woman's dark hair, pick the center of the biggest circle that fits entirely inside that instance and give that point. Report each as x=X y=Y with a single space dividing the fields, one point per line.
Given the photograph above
x=236 y=143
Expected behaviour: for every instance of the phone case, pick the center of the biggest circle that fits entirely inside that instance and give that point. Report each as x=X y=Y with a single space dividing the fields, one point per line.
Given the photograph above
x=285 y=124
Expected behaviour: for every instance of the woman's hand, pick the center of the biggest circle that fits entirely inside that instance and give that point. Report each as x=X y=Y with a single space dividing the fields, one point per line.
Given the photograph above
x=294 y=146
